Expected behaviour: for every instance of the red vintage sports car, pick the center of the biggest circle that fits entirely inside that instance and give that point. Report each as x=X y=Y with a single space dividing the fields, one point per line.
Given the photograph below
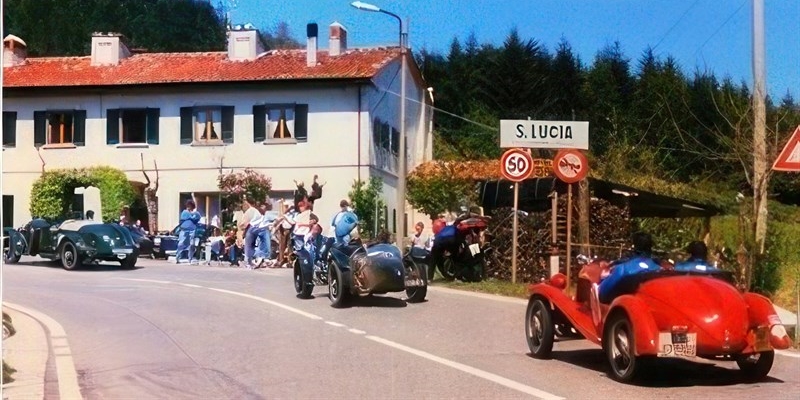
x=660 y=314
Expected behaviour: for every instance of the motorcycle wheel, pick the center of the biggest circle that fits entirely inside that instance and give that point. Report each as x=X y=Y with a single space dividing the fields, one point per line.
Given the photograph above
x=448 y=269
x=301 y=285
x=416 y=294
x=337 y=291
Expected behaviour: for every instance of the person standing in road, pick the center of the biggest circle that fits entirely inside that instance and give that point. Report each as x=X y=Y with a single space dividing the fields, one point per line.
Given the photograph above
x=188 y=226
x=249 y=224
x=268 y=218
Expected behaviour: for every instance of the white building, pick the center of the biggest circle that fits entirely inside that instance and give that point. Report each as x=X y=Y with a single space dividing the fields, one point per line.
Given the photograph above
x=289 y=114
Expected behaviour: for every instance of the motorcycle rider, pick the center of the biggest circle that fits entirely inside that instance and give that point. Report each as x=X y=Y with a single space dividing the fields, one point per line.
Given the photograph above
x=697 y=262
x=640 y=261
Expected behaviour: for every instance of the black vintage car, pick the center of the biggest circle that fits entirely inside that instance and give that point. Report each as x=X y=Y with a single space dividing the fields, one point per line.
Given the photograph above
x=71 y=242
x=165 y=244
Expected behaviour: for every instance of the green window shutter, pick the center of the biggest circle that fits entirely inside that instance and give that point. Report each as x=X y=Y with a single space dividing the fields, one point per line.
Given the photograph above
x=187 y=130
x=227 y=124
x=301 y=122
x=39 y=128
x=79 y=126
x=9 y=128
x=259 y=123
x=112 y=126
x=153 y=115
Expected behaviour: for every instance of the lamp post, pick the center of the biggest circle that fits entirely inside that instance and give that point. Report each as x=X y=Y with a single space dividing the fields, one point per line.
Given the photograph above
x=401 y=158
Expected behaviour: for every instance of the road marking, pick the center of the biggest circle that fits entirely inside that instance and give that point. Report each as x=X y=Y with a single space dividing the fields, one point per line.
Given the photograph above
x=274 y=303
x=68 y=387
x=356 y=331
x=788 y=353
x=336 y=324
x=144 y=280
x=470 y=370
x=190 y=285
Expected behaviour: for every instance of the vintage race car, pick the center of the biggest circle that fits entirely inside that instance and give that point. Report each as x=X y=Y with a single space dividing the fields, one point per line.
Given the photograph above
x=659 y=314
x=72 y=242
x=165 y=244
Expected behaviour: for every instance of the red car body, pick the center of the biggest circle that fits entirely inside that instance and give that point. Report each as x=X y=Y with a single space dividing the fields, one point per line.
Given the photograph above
x=662 y=314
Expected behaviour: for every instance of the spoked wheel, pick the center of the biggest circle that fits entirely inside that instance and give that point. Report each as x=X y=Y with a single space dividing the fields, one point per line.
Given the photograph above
x=756 y=366
x=336 y=287
x=448 y=269
x=301 y=286
x=70 y=259
x=416 y=294
x=539 y=328
x=619 y=345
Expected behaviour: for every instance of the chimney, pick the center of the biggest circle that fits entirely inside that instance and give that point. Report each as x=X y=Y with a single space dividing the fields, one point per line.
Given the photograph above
x=108 y=49
x=338 y=40
x=244 y=43
x=14 y=51
x=311 y=44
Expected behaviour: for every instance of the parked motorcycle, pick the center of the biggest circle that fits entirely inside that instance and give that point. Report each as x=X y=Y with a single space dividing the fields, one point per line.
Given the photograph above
x=460 y=251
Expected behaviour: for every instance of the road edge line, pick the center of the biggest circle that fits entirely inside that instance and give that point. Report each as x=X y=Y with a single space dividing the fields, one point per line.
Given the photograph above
x=67 y=376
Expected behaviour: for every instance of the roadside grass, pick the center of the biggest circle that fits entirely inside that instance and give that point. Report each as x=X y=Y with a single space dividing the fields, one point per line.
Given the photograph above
x=490 y=286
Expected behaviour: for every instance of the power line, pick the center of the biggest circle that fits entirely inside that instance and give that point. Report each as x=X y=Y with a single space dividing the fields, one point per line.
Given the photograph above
x=676 y=23
x=721 y=26
x=489 y=127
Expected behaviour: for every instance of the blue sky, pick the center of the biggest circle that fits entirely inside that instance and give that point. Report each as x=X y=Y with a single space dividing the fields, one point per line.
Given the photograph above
x=705 y=34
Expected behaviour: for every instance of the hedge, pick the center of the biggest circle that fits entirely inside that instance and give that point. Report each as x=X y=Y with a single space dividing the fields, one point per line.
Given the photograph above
x=52 y=193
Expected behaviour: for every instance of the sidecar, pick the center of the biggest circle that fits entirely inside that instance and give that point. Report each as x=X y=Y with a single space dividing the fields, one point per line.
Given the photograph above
x=659 y=314
x=357 y=270
x=72 y=242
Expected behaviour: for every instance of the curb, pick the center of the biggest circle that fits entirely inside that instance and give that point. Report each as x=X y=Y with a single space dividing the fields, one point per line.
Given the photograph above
x=57 y=346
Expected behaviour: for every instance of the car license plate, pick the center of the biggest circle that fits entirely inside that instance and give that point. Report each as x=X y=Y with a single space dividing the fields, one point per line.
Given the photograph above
x=677 y=344
x=475 y=248
x=157 y=241
x=122 y=251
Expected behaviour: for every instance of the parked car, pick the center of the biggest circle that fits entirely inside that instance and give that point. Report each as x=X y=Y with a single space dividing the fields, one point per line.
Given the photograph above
x=165 y=244
x=71 y=242
x=663 y=313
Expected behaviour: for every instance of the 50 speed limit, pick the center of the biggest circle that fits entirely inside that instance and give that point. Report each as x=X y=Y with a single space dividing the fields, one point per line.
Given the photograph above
x=516 y=165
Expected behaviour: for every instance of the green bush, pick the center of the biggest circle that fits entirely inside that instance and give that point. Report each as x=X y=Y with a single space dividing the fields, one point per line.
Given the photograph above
x=52 y=193
x=365 y=200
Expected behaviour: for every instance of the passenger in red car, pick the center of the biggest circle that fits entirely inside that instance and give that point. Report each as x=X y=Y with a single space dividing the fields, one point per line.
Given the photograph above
x=641 y=261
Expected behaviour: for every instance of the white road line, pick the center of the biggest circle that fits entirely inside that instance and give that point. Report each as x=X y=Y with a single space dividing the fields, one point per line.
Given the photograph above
x=470 y=370
x=274 y=303
x=356 y=331
x=68 y=387
x=788 y=353
x=191 y=285
x=336 y=324
x=144 y=280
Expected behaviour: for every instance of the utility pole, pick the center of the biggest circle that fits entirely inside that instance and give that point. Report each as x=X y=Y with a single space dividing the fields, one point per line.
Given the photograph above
x=760 y=167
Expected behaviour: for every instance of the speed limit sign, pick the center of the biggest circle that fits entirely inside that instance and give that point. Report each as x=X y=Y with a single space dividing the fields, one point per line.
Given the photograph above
x=516 y=165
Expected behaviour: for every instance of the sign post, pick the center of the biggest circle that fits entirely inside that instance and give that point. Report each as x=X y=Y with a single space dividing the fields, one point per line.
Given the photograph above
x=515 y=165
x=570 y=166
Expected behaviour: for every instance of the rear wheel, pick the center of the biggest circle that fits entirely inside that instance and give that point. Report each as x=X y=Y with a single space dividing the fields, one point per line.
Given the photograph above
x=756 y=366
x=539 y=329
x=448 y=268
x=70 y=259
x=128 y=262
x=416 y=294
x=620 y=348
x=10 y=253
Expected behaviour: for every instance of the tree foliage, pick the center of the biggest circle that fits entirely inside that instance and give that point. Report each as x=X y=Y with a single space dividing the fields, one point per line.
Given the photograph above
x=53 y=192
x=248 y=184
x=439 y=188
x=367 y=202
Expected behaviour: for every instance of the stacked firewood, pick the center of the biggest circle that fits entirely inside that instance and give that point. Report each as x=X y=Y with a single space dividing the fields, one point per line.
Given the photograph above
x=609 y=231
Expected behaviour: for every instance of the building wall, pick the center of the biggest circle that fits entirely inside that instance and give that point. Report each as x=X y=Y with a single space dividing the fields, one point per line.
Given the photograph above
x=333 y=150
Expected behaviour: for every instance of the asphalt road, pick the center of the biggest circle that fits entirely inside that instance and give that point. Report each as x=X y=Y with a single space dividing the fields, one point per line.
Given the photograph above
x=173 y=332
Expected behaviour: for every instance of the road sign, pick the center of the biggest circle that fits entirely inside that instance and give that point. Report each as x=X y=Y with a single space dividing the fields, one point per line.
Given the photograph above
x=516 y=165
x=789 y=159
x=570 y=165
x=544 y=134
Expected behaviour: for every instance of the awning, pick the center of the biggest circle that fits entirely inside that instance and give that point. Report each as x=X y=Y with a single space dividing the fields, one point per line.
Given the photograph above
x=534 y=197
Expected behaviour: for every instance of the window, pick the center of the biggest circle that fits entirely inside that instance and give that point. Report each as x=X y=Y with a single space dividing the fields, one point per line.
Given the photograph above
x=9 y=128
x=8 y=211
x=132 y=126
x=59 y=128
x=280 y=123
x=207 y=125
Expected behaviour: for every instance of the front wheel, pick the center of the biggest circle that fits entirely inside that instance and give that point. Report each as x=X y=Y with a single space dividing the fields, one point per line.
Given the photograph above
x=70 y=259
x=539 y=329
x=337 y=290
x=756 y=366
x=10 y=255
x=302 y=286
x=620 y=348
x=416 y=294
x=128 y=263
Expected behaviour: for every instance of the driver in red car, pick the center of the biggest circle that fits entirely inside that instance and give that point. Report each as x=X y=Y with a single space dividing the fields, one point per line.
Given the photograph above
x=640 y=261
x=698 y=254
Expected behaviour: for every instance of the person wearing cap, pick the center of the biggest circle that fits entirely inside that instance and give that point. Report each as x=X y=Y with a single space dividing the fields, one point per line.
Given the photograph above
x=697 y=262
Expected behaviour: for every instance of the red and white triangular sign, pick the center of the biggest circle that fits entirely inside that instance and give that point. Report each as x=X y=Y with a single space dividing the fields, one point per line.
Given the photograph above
x=789 y=159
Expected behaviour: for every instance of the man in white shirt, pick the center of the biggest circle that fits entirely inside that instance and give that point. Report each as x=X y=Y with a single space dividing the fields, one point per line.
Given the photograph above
x=249 y=224
x=265 y=233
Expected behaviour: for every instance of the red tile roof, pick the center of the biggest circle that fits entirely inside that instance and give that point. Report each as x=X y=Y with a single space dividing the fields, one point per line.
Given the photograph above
x=155 y=68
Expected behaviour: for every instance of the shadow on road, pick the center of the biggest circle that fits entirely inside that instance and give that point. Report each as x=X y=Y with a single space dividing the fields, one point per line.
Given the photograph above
x=664 y=372
x=103 y=266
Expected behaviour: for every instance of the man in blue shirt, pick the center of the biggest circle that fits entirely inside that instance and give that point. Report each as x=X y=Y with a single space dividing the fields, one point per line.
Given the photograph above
x=698 y=253
x=189 y=220
x=641 y=261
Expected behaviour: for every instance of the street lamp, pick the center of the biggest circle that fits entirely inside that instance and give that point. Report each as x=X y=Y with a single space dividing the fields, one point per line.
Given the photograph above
x=401 y=162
